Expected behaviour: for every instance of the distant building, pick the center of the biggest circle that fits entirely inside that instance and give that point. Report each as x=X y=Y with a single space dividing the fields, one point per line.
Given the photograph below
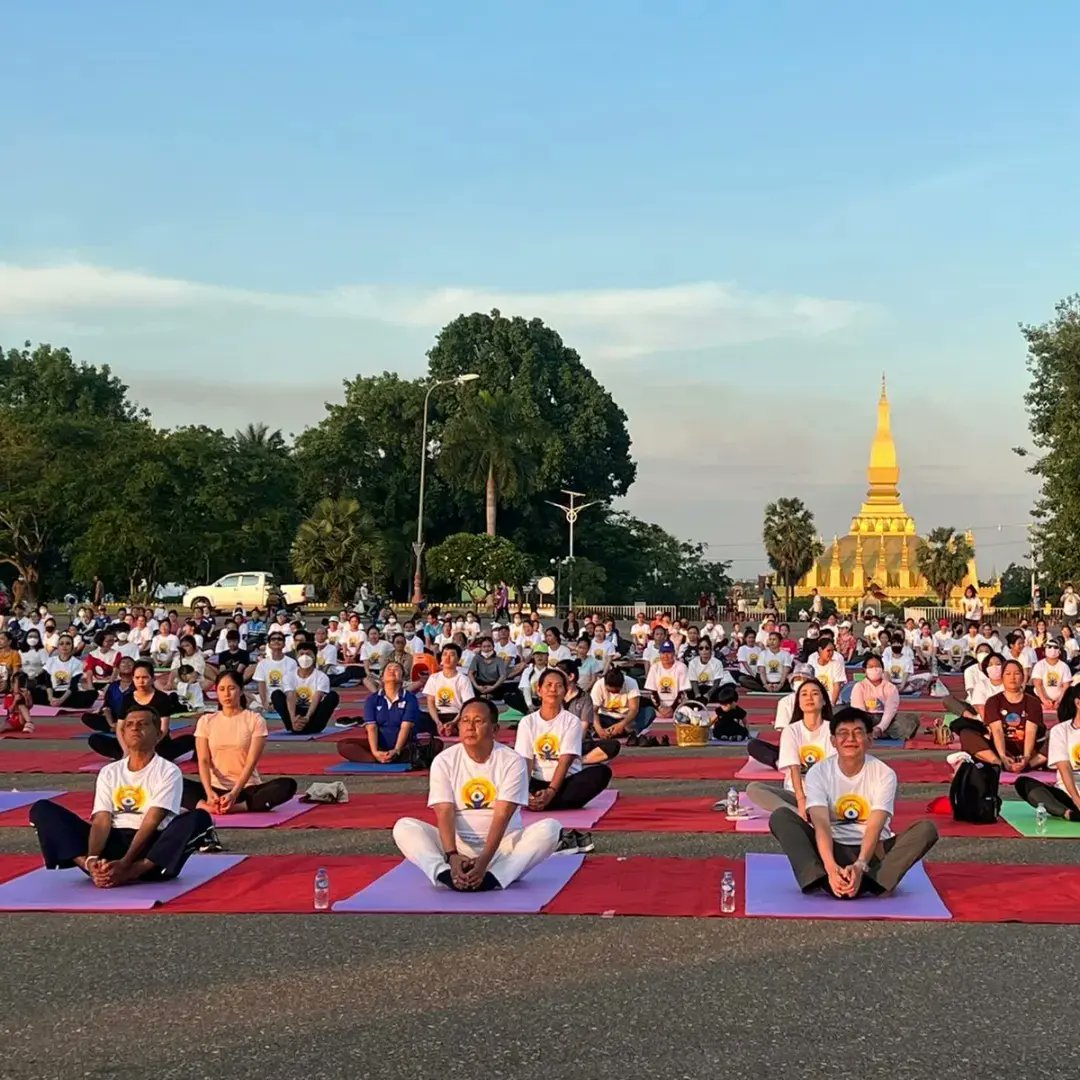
x=877 y=559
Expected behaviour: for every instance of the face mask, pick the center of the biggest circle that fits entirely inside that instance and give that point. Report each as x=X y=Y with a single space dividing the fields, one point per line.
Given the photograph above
x=874 y=674
x=305 y=661
x=122 y=636
x=43 y=611
x=811 y=633
x=33 y=642
x=981 y=657
x=994 y=671
x=487 y=652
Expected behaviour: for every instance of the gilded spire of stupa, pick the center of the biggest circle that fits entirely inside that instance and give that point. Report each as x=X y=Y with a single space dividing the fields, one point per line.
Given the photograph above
x=883 y=512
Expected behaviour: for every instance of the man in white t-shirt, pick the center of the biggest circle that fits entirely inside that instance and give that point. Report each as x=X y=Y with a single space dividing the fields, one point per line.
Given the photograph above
x=846 y=848
x=136 y=831
x=447 y=690
x=640 y=632
x=477 y=789
x=305 y=701
x=667 y=681
x=273 y=669
x=706 y=674
x=1051 y=676
x=618 y=708
x=828 y=669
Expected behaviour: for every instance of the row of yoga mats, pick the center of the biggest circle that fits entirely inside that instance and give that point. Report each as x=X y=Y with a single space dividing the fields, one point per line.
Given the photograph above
x=609 y=811
x=603 y=886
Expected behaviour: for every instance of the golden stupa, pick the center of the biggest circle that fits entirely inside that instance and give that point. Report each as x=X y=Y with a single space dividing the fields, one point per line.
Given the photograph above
x=878 y=556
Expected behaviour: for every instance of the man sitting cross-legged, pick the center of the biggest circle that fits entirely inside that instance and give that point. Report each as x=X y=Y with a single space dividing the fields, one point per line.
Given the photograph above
x=447 y=691
x=477 y=789
x=305 y=701
x=618 y=707
x=136 y=831
x=847 y=847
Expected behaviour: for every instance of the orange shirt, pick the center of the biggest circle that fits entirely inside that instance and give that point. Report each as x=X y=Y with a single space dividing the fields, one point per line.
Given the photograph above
x=230 y=739
x=12 y=659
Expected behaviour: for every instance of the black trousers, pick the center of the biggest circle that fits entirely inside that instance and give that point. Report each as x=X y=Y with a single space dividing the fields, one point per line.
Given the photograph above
x=76 y=699
x=1036 y=793
x=764 y=752
x=611 y=747
x=337 y=680
x=706 y=693
x=257 y=798
x=513 y=697
x=316 y=721
x=64 y=836
x=96 y=721
x=492 y=694
x=576 y=790
x=170 y=748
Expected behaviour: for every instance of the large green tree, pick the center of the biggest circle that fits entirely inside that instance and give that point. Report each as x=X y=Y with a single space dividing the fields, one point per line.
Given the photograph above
x=791 y=542
x=1053 y=403
x=473 y=565
x=337 y=548
x=491 y=445
x=942 y=558
x=1015 y=587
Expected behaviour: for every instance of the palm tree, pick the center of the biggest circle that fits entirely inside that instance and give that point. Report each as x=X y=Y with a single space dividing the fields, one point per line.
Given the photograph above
x=942 y=558
x=791 y=542
x=492 y=445
x=337 y=548
x=260 y=435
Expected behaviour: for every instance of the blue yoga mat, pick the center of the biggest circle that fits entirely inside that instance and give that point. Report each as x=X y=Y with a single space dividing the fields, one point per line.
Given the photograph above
x=368 y=767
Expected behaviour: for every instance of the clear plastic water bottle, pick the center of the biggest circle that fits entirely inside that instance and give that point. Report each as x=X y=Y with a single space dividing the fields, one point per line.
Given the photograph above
x=727 y=893
x=322 y=890
x=732 y=802
x=1040 y=819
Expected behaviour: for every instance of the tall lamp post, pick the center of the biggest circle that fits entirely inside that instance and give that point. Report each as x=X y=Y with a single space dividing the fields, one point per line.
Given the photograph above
x=572 y=511
x=418 y=545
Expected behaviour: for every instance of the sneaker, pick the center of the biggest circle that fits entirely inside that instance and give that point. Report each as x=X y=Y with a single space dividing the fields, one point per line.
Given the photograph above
x=568 y=844
x=348 y=721
x=584 y=842
x=210 y=844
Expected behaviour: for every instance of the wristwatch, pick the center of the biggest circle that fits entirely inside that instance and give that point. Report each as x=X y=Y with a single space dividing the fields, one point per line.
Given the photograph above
x=863 y=865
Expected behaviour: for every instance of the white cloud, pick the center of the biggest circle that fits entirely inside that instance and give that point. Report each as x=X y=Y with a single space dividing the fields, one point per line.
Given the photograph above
x=615 y=324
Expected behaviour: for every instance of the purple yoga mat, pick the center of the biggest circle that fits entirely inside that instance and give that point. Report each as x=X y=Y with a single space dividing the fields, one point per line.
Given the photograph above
x=96 y=766
x=754 y=770
x=405 y=890
x=71 y=890
x=285 y=812
x=13 y=800
x=585 y=818
x=1045 y=775
x=771 y=891
x=281 y=735
x=757 y=824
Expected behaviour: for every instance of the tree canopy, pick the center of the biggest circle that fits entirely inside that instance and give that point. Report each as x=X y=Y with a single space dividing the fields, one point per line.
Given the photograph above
x=942 y=559
x=791 y=542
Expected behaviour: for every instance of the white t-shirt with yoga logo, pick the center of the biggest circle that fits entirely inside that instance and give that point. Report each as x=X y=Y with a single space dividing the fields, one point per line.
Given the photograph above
x=449 y=694
x=1055 y=678
x=667 y=683
x=305 y=687
x=709 y=673
x=545 y=741
x=1064 y=747
x=831 y=674
x=803 y=747
x=601 y=650
x=64 y=674
x=748 y=657
x=775 y=665
x=274 y=672
x=474 y=787
x=851 y=799
x=128 y=794
x=614 y=702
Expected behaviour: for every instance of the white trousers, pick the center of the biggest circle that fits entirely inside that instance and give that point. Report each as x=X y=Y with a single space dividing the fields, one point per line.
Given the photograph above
x=518 y=853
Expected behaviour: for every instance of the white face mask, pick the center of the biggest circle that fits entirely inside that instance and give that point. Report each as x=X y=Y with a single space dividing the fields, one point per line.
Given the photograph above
x=811 y=633
x=122 y=636
x=305 y=661
x=33 y=642
x=874 y=674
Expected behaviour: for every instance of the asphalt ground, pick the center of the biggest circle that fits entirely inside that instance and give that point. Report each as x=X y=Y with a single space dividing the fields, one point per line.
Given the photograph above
x=265 y=996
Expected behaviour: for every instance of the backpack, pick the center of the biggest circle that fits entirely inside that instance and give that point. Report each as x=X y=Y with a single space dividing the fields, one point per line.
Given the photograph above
x=973 y=793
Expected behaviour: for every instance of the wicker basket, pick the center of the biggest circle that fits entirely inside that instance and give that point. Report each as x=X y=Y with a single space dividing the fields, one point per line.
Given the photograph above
x=691 y=734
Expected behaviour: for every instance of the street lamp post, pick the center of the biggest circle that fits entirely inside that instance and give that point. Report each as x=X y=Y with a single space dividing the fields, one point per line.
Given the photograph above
x=418 y=546
x=572 y=512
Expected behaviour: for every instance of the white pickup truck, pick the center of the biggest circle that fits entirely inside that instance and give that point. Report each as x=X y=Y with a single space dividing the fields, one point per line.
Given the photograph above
x=247 y=589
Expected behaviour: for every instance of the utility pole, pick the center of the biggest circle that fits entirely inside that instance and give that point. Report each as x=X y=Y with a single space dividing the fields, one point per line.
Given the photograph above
x=572 y=512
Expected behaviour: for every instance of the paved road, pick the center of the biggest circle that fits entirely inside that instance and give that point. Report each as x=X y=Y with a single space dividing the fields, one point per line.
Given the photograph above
x=267 y=997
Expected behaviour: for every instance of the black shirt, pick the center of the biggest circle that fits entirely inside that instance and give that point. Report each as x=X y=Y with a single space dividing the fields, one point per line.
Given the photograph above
x=232 y=660
x=163 y=704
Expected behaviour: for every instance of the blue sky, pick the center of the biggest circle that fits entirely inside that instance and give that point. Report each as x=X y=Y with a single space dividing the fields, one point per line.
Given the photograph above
x=739 y=214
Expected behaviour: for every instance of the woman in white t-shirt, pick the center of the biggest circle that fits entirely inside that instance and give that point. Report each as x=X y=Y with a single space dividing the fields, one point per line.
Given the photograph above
x=556 y=649
x=1063 y=754
x=65 y=671
x=550 y=742
x=973 y=606
x=33 y=656
x=1051 y=675
x=810 y=700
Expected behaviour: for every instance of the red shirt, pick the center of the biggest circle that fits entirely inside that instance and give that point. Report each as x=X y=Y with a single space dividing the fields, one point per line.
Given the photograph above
x=1014 y=717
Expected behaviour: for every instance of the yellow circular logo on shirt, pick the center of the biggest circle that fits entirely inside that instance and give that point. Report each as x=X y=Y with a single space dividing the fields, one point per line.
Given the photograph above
x=547 y=746
x=129 y=800
x=852 y=808
x=478 y=793
x=274 y=678
x=444 y=697
x=666 y=685
x=870 y=704
x=1074 y=755
x=810 y=754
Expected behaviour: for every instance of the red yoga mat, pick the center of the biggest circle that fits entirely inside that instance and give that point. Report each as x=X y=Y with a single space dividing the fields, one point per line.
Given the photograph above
x=78 y=802
x=45 y=761
x=676 y=766
x=981 y=892
x=647 y=886
x=282 y=883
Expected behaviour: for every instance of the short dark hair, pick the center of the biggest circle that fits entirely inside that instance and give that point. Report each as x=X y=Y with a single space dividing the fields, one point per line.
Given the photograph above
x=552 y=671
x=144 y=665
x=489 y=707
x=613 y=677
x=850 y=715
x=569 y=667
x=727 y=694
x=453 y=647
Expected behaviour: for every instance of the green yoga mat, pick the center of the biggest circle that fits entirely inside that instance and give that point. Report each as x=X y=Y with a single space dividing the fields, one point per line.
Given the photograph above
x=1021 y=817
x=509 y=716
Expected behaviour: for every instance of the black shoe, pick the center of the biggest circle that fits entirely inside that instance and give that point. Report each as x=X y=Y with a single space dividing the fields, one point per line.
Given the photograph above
x=568 y=844
x=584 y=842
x=209 y=843
x=348 y=721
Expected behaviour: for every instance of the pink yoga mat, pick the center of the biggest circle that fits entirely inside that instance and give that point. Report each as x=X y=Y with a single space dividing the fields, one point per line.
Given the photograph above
x=405 y=890
x=71 y=890
x=285 y=812
x=1045 y=775
x=585 y=818
x=771 y=891
x=753 y=769
x=15 y=800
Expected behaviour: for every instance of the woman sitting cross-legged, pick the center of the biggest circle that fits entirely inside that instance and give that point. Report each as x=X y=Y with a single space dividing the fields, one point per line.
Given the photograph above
x=1063 y=799
x=144 y=694
x=390 y=719
x=804 y=742
x=550 y=741
x=229 y=744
